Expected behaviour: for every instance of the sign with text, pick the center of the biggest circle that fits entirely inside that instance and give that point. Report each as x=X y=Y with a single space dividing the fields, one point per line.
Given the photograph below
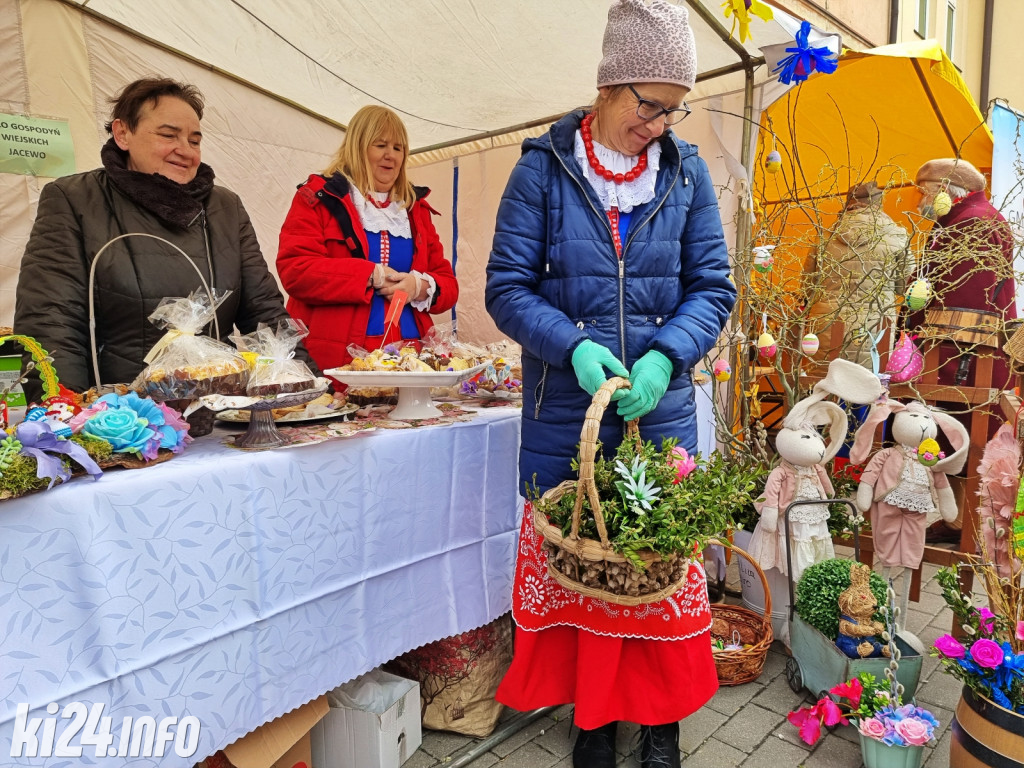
x=35 y=146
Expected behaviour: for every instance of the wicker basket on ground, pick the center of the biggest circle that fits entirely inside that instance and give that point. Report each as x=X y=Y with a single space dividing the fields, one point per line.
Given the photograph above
x=589 y=566
x=733 y=624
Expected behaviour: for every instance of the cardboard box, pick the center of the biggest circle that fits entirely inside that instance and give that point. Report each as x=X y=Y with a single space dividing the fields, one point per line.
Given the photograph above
x=281 y=743
x=374 y=722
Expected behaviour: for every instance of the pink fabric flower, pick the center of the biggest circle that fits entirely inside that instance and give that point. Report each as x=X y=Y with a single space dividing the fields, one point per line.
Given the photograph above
x=987 y=653
x=830 y=713
x=807 y=721
x=872 y=728
x=1020 y=630
x=913 y=731
x=682 y=462
x=948 y=646
x=986 y=619
x=851 y=689
x=78 y=420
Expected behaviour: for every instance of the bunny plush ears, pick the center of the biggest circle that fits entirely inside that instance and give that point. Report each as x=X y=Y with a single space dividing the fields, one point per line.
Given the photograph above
x=850 y=381
x=853 y=383
x=954 y=431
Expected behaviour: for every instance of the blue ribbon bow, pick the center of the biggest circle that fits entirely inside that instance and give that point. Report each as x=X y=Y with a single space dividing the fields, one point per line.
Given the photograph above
x=803 y=59
x=38 y=441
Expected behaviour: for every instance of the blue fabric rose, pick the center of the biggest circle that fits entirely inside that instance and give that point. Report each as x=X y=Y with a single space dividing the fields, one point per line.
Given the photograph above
x=122 y=428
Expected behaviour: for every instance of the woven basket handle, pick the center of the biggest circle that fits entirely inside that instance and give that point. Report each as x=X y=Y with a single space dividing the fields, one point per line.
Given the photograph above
x=92 y=291
x=588 y=450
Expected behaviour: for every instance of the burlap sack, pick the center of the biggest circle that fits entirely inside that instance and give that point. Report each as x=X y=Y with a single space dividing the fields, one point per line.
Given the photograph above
x=459 y=676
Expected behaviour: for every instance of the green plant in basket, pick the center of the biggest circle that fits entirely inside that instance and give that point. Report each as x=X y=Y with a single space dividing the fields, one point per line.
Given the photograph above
x=817 y=594
x=663 y=500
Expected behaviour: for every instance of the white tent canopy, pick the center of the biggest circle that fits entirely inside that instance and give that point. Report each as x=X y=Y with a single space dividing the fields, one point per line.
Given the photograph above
x=281 y=79
x=452 y=68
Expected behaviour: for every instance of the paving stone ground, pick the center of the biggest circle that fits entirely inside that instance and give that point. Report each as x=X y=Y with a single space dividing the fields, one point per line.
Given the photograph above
x=743 y=726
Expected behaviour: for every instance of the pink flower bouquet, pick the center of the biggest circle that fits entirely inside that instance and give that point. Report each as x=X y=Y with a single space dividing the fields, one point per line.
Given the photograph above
x=875 y=712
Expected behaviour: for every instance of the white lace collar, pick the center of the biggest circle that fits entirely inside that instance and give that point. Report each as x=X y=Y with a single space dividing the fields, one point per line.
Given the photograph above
x=394 y=219
x=629 y=194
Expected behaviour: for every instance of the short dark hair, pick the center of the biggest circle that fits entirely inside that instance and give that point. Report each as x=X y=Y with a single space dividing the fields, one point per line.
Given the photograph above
x=129 y=102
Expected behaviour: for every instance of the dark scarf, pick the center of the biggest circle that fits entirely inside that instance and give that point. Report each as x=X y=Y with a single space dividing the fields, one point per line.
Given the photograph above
x=177 y=205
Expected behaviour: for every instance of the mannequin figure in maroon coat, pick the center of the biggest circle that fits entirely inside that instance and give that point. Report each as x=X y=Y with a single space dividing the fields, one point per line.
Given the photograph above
x=969 y=262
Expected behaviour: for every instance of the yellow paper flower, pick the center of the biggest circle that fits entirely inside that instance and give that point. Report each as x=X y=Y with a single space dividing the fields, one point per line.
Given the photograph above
x=741 y=10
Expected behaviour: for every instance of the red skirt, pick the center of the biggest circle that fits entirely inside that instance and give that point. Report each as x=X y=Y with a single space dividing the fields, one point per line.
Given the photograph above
x=649 y=682
x=650 y=664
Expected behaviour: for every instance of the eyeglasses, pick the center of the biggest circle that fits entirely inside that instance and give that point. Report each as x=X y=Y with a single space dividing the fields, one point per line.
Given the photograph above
x=651 y=110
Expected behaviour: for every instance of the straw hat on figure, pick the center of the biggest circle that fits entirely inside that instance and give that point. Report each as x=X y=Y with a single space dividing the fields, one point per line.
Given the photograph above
x=905 y=487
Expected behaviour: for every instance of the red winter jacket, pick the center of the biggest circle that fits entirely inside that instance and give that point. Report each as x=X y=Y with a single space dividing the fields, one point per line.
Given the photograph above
x=323 y=266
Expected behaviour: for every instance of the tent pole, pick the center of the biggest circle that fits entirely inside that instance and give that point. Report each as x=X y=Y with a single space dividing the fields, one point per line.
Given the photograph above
x=743 y=216
x=935 y=107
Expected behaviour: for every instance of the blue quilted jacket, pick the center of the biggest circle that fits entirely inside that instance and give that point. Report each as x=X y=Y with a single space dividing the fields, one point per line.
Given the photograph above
x=553 y=280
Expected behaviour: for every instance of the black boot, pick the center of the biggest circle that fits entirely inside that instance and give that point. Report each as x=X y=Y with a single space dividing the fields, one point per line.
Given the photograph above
x=596 y=748
x=659 y=746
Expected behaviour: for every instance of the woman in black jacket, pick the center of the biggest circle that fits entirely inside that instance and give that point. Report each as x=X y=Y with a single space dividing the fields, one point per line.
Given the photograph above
x=152 y=182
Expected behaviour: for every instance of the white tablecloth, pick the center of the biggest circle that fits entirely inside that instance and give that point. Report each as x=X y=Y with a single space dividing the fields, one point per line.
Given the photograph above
x=236 y=586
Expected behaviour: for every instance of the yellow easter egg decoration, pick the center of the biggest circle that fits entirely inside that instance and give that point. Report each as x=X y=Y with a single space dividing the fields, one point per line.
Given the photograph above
x=722 y=370
x=942 y=203
x=928 y=452
x=919 y=295
x=766 y=345
x=773 y=162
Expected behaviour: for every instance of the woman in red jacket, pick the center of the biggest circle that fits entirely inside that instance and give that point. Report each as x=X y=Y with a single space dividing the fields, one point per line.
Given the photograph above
x=355 y=236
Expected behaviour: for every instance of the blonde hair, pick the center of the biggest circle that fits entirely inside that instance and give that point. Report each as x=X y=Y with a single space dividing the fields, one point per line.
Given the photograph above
x=367 y=126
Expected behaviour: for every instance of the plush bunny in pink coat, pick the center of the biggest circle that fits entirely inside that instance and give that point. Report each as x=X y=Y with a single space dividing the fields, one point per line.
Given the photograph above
x=900 y=493
x=801 y=475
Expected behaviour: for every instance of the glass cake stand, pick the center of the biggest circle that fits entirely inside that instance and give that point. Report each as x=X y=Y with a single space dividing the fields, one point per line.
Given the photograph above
x=414 y=401
x=262 y=431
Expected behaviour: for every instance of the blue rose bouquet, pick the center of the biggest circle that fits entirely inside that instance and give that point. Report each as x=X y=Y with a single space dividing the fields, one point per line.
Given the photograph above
x=990 y=660
x=133 y=424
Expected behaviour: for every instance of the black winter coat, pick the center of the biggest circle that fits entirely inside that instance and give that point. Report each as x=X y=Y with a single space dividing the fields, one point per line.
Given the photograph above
x=77 y=215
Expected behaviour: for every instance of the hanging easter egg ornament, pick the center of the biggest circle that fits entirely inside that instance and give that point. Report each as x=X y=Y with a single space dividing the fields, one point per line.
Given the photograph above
x=722 y=370
x=928 y=452
x=766 y=346
x=809 y=344
x=773 y=162
x=919 y=295
x=763 y=259
x=942 y=203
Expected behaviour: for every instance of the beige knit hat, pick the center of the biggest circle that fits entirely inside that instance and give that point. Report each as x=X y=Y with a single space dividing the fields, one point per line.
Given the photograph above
x=952 y=170
x=647 y=44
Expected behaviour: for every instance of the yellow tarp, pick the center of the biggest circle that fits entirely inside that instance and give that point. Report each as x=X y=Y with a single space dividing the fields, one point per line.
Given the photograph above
x=880 y=116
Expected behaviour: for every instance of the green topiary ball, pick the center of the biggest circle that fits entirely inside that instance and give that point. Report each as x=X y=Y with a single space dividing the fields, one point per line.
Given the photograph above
x=817 y=594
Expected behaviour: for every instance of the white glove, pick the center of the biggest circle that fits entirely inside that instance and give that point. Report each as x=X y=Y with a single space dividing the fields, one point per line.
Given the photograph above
x=770 y=519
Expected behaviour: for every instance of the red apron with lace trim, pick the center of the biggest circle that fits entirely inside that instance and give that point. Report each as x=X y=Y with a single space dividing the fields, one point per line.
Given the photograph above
x=539 y=602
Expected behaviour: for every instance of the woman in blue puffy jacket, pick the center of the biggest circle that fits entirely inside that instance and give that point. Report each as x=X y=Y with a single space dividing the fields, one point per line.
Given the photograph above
x=609 y=259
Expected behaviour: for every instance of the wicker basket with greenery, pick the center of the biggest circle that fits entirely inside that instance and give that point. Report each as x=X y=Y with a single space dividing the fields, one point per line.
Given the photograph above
x=625 y=530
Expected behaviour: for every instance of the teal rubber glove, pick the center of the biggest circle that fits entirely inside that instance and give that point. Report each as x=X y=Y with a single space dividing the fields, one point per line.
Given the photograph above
x=650 y=377
x=589 y=360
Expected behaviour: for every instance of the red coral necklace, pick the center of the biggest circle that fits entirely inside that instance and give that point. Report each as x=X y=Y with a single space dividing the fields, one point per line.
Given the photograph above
x=600 y=170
